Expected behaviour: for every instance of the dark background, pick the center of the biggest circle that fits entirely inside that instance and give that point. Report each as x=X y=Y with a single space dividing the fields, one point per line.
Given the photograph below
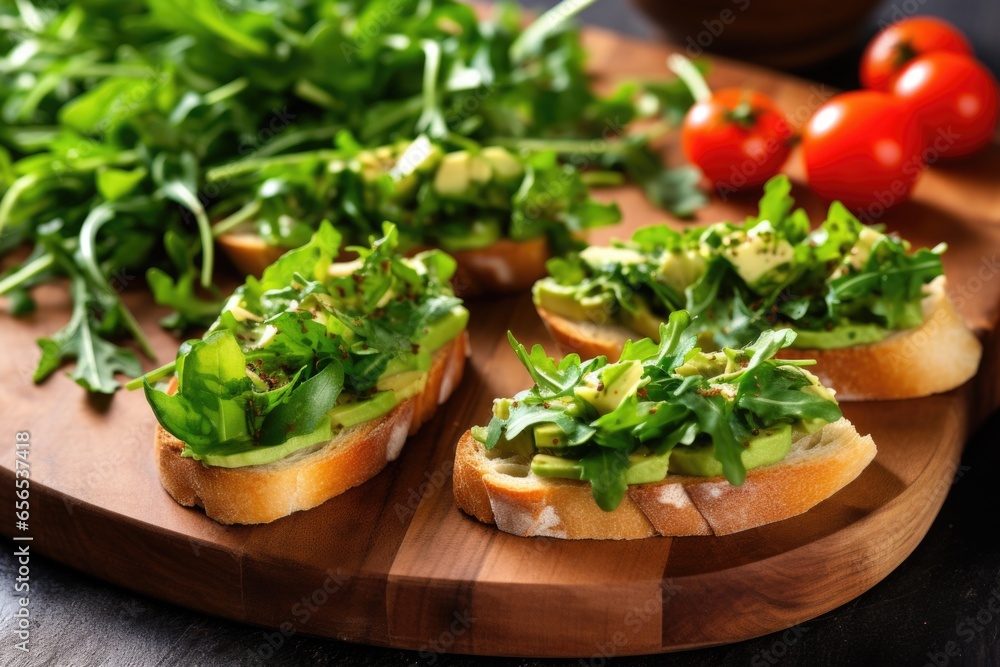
x=915 y=616
x=978 y=19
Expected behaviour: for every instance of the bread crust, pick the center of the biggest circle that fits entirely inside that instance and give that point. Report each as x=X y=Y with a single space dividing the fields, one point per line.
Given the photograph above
x=503 y=267
x=263 y=493
x=504 y=491
x=935 y=357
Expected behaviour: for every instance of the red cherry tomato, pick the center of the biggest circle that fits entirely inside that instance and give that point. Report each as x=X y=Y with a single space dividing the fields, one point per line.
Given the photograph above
x=893 y=48
x=863 y=148
x=738 y=138
x=955 y=99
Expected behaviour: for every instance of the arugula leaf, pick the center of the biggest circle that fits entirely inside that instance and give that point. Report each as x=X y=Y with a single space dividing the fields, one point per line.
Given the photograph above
x=552 y=380
x=774 y=394
x=675 y=190
x=766 y=346
x=189 y=310
x=273 y=117
x=527 y=415
x=842 y=274
x=97 y=360
x=605 y=470
x=280 y=357
x=713 y=413
x=684 y=397
x=776 y=207
x=676 y=340
x=305 y=406
x=209 y=407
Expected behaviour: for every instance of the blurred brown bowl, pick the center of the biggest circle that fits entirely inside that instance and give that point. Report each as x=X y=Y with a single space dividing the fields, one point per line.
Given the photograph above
x=785 y=34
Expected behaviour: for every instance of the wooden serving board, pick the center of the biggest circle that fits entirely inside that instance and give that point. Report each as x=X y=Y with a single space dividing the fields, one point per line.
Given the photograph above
x=394 y=563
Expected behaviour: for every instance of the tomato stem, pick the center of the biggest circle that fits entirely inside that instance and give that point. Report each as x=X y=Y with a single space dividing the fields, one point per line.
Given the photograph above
x=904 y=53
x=743 y=114
x=692 y=78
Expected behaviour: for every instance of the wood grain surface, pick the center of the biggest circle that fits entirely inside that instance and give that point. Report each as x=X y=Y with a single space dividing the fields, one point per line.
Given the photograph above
x=393 y=562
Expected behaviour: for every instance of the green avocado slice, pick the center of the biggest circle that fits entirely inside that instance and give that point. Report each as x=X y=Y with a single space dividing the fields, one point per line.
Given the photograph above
x=771 y=446
x=350 y=414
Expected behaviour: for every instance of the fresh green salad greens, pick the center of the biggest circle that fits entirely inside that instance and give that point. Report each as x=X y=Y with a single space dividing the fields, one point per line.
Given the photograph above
x=131 y=126
x=610 y=424
x=308 y=336
x=458 y=200
x=841 y=284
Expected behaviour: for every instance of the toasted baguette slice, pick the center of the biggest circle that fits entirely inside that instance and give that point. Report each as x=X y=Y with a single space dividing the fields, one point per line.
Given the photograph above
x=503 y=267
x=936 y=356
x=310 y=477
x=504 y=491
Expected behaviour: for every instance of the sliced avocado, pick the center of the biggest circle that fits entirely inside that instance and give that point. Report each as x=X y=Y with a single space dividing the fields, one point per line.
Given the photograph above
x=705 y=364
x=408 y=361
x=545 y=465
x=441 y=331
x=608 y=387
x=522 y=445
x=482 y=233
x=680 y=270
x=452 y=177
x=858 y=255
x=548 y=436
x=251 y=455
x=431 y=160
x=506 y=167
x=480 y=170
x=810 y=425
x=643 y=469
x=604 y=255
x=501 y=407
x=817 y=388
x=843 y=336
x=403 y=385
x=769 y=447
x=643 y=321
x=559 y=299
x=350 y=414
x=760 y=254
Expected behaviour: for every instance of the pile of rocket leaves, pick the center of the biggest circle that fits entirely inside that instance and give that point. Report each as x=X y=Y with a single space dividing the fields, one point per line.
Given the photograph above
x=326 y=335
x=818 y=289
x=131 y=126
x=685 y=397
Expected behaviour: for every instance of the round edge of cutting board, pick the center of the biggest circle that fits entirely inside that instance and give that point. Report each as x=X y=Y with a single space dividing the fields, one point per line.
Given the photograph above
x=716 y=607
x=710 y=608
